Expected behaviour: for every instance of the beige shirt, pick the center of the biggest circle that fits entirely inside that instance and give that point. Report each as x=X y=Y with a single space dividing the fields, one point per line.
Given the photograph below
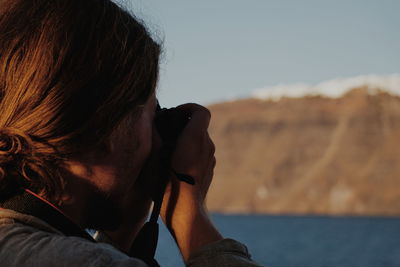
x=28 y=241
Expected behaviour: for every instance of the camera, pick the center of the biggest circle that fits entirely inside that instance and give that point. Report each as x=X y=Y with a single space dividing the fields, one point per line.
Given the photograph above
x=170 y=123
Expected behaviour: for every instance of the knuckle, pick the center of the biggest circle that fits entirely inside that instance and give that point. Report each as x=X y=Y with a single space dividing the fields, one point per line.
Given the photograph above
x=213 y=148
x=209 y=143
x=207 y=112
x=203 y=110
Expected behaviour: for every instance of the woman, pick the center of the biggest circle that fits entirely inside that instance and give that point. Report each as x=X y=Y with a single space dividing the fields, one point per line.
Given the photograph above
x=78 y=147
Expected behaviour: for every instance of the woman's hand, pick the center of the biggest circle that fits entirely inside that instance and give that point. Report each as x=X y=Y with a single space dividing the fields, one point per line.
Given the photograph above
x=183 y=209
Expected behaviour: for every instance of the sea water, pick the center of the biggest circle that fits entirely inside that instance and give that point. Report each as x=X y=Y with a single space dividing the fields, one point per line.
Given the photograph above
x=286 y=241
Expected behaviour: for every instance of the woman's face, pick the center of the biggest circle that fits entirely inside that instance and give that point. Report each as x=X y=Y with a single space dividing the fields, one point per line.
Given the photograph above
x=109 y=180
x=132 y=146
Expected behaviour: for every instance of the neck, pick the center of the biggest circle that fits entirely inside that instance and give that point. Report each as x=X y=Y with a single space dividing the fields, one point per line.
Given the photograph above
x=80 y=199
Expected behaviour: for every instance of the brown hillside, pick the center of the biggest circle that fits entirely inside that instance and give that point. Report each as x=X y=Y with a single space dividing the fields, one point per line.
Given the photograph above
x=311 y=155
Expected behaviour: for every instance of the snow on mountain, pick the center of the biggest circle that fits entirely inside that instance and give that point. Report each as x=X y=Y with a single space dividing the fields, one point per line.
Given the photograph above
x=332 y=88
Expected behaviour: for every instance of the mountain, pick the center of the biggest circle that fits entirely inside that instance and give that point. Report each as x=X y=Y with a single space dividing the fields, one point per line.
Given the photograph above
x=308 y=155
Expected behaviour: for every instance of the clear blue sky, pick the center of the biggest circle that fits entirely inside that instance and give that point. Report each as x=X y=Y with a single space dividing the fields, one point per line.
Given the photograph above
x=220 y=49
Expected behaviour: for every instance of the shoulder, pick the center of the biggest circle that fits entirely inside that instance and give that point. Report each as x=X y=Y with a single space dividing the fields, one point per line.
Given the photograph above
x=24 y=245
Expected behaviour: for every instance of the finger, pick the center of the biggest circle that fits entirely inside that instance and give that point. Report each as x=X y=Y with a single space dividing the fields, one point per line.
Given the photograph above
x=211 y=145
x=210 y=174
x=212 y=164
x=200 y=116
x=189 y=108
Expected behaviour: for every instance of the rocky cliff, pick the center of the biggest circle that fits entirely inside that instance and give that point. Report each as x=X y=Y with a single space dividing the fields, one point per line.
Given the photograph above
x=308 y=155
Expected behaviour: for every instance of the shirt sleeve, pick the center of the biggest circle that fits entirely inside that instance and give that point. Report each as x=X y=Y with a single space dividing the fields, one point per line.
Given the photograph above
x=226 y=252
x=23 y=245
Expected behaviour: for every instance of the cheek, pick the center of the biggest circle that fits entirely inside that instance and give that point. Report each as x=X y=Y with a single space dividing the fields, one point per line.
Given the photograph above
x=145 y=140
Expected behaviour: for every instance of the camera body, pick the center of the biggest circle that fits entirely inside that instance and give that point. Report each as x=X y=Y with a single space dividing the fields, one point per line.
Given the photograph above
x=170 y=123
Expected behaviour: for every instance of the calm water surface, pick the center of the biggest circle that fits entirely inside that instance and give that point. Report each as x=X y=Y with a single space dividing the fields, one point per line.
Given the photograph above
x=306 y=240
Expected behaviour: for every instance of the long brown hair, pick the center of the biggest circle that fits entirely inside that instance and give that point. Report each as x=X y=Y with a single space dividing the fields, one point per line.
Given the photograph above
x=70 y=71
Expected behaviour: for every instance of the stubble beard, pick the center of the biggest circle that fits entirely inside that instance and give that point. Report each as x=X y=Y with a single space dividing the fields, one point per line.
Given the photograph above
x=103 y=212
